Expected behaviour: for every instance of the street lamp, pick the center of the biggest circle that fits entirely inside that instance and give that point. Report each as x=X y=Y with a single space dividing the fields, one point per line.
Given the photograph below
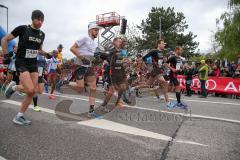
x=7 y=14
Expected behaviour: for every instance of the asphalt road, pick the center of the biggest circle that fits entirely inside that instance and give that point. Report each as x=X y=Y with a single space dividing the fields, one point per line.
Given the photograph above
x=146 y=131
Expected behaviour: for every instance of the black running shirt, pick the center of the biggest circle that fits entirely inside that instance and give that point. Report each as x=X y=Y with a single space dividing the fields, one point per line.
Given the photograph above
x=30 y=41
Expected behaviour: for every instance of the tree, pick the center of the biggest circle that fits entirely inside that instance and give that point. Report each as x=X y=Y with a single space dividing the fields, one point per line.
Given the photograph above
x=173 y=26
x=228 y=37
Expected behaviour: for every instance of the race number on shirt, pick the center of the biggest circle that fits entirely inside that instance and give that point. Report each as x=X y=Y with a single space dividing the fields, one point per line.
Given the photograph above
x=31 y=53
x=54 y=65
x=178 y=66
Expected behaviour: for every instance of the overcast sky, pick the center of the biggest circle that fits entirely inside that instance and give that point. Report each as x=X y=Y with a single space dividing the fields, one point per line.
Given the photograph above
x=66 y=20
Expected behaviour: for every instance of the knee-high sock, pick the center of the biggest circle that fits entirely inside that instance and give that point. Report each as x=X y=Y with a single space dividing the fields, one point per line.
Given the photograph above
x=35 y=99
x=178 y=96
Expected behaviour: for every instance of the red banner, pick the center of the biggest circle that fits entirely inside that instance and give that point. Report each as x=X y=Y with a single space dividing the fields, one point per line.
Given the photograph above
x=223 y=85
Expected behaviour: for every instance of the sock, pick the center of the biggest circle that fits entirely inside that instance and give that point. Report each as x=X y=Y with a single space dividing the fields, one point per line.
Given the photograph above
x=91 y=108
x=35 y=99
x=20 y=114
x=178 y=96
x=14 y=88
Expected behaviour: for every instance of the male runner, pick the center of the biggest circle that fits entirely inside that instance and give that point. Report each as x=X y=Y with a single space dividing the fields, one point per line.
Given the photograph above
x=175 y=62
x=156 y=72
x=30 y=44
x=52 y=72
x=84 y=49
x=115 y=73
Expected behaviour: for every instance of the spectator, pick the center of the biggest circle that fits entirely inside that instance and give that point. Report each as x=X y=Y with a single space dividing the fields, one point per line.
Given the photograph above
x=225 y=72
x=216 y=71
x=188 y=72
x=203 y=76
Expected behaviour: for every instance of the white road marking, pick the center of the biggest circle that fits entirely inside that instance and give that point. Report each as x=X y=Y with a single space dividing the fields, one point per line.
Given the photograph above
x=223 y=103
x=175 y=113
x=187 y=115
x=1 y=158
x=117 y=127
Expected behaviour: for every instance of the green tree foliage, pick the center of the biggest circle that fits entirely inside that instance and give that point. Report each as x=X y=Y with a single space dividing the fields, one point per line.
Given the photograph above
x=228 y=37
x=173 y=26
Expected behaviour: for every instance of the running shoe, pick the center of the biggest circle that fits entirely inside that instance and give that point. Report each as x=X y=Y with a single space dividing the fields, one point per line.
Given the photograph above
x=21 y=121
x=170 y=105
x=37 y=108
x=9 y=91
x=119 y=104
x=181 y=105
x=94 y=115
x=52 y=97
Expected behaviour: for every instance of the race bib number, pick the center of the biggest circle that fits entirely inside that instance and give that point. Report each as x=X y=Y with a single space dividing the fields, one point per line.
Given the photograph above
x=40 y=71
x=54 y=66
x=31 y=53
x=178 y=66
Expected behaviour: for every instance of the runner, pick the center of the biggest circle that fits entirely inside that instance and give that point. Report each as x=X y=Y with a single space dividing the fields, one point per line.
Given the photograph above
x=84 y=49
x=11 y=68
x=60 y=73
x=41 y=67
x=174 y=63
x=155 y=74
x=52 y=72
x=115 y=73
x=30 y=44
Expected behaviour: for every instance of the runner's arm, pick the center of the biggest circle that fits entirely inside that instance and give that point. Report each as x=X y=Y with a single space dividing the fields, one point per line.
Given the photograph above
x=42 y=52
x=147 y=56
x=4 y=42
x=75 y=51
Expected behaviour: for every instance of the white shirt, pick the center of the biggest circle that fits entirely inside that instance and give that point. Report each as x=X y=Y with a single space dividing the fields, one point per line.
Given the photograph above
x=52 y=64
x=86 y=48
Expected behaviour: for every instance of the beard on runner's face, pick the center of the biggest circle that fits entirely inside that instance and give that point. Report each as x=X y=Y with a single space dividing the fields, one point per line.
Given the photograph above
x=37 y=23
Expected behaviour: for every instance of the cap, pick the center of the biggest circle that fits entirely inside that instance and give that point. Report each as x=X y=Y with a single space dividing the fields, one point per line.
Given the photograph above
x=202 y=61
x=93 y=26
x=37 y=14
x=60 y=46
